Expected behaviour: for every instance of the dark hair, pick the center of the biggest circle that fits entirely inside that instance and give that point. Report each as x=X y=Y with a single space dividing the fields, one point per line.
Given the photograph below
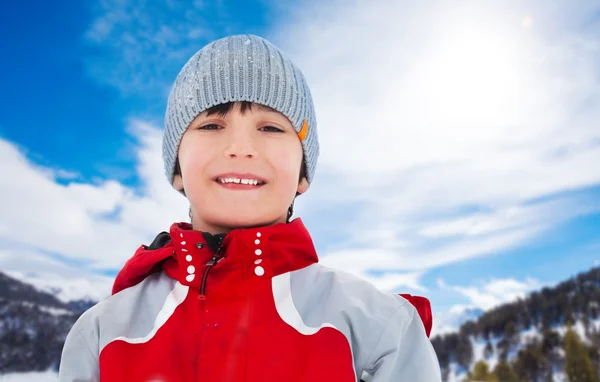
x=222 y=110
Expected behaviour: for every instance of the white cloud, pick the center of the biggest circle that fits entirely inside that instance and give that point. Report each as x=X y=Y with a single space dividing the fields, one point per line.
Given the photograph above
x=481 y=296
x=100 y=224
x=451 y=320
x=456 y=105
x=432 y=242
x=496 y=292
x=456 y=120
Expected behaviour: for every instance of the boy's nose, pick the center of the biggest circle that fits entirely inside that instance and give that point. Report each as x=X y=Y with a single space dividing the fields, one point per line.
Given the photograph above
x=234 y=155
x=241 y=146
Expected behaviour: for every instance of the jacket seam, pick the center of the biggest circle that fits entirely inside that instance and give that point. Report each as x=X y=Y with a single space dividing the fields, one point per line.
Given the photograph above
x=385 y=327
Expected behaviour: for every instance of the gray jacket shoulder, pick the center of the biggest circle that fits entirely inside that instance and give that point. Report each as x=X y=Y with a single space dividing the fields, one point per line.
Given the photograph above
x=353 y=305
x=385 y=331
x=127 y=314
x=354 y=292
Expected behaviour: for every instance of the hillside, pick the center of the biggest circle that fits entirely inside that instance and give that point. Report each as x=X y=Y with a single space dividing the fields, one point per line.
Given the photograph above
x=33 y=326
x=528 y=335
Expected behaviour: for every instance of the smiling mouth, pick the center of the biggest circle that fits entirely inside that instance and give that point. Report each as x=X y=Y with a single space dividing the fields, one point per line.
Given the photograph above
x=253 y=182
x=240 y=183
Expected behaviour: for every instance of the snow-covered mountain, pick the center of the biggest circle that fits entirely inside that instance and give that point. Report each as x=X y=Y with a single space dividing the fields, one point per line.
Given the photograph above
x=88 y=287
x=530 y=337
x=33 y=327
x=36 y=312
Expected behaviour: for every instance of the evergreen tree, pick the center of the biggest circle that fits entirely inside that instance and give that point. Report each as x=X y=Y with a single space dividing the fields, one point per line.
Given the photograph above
x=551 y=342
x=505 y=373
x=502 y=348
x=464 y=351
x=594 y=354
x=510 y=332
x=578 y=365
x=530 y=364
x=481 y=373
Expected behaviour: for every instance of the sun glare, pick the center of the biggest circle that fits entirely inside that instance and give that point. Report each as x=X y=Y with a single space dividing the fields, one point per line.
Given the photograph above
x=475 y=74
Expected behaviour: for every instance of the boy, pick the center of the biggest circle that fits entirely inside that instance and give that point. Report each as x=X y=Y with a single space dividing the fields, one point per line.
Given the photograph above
x=238 y=293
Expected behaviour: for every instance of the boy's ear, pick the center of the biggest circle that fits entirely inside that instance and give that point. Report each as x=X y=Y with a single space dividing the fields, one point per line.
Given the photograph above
x=303 y=186
x=178 y=182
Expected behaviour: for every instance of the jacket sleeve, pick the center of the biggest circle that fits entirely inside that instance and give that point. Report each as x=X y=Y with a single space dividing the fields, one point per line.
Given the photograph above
x=79 y=359
x=403 y=352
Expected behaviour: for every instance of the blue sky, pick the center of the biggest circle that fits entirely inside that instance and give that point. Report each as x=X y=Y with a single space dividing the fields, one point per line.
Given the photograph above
x=460 y=142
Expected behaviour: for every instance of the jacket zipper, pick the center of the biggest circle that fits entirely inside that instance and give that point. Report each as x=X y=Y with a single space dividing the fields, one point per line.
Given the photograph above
x=215 y=259
x=218 y=256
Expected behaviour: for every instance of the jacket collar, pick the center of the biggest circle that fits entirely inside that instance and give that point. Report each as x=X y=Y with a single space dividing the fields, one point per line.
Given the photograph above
x=262 y=252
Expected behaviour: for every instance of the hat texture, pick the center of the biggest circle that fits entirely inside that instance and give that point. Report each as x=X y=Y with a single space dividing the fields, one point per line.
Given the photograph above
x=240 y=68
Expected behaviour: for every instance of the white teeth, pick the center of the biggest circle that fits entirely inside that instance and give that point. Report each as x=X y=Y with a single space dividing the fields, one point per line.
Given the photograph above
x=253 y=182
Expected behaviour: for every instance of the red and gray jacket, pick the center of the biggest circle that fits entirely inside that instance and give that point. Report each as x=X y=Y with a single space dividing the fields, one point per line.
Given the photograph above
x=252 y=305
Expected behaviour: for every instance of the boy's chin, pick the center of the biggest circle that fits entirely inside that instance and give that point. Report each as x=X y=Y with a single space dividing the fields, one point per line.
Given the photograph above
x=246 y=221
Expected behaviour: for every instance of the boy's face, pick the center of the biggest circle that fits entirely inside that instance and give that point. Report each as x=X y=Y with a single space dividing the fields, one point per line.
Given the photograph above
x=219 y=154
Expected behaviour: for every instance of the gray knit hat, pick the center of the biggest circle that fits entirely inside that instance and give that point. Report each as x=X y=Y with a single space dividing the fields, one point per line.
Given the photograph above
x=240 y=68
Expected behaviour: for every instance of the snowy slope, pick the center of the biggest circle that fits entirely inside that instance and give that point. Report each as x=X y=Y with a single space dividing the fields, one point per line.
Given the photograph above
x=457 y=374
x=84 y=287
x=47 y=376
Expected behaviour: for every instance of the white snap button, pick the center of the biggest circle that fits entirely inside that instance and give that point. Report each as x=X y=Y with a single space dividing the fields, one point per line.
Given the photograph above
x=184 y=250
x=259 y=271
x=181 y=235
x=188 y=257
x=190 y=278
x=191 y=269
x=257 y=242
x=183 y=243
x=258 y=252
x=258 y=234
x=258 y=261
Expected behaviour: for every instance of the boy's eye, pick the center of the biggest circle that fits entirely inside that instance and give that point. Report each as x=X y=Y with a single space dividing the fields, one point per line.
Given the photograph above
x=210 y=126
x=271 y=129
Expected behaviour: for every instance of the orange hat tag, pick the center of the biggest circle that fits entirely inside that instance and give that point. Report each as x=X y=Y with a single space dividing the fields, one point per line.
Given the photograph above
x=304 y=131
